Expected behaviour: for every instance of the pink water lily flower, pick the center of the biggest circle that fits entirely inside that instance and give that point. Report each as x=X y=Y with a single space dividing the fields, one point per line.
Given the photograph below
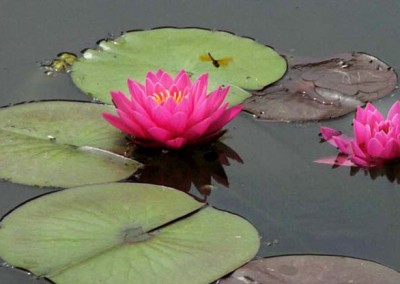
x=376 y=139
x=171 y=112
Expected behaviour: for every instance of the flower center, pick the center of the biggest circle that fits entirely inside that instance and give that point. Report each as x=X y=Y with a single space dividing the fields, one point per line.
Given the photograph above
x=163 y=96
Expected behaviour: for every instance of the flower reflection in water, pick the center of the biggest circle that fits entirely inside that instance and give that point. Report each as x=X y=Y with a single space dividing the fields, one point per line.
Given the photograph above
x=390 y=171
x=180 y=169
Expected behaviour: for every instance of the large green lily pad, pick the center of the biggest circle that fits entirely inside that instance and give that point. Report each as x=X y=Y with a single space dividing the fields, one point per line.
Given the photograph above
x=230 y=60
x=125 y=233
x=62 y=144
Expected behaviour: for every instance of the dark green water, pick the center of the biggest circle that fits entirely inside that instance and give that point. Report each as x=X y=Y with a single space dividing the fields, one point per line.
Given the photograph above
x=297 y=206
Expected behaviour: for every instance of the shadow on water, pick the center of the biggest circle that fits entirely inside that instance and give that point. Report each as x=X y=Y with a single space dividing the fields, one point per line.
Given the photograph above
x=390 y=171
x=180 y=169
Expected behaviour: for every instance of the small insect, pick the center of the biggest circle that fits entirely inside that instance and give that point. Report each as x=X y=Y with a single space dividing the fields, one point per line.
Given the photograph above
x=222 y=62
x=62 y=63
x=51 y=138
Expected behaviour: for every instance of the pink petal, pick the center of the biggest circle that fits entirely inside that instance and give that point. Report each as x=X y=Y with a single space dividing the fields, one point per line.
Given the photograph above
x=395 y=120
x=374 y=117
x=198 y=114
x=357 y=151
x=116 y=122
x=159 y=74
x=198 y=90
x=136 y=88
x=182 y=80
x=389 y=151
x=394 y=110
x=161 y=115
x=339 y=160
x=198 y=130
x=121 y=101
x=159 y=88
x=327 y=133
x=134 y=127
x=153 y=77
x=178 y=122
x=159 y=134
x=374 y=148
x=142 y=103
x=360 y=162
x=216 y=97
x=169 y=104
x=174 y=90
x=228 y=115
x=382 y=138
x=362 y=133
x=176 y=143
x=217 y=119
x=150 y=82
x=369 y=115
x=142 y=119
x=361 y=115
x=370 y=108
x=342 y=144
x=184 y=106
x=149 y=104
x=166 y=80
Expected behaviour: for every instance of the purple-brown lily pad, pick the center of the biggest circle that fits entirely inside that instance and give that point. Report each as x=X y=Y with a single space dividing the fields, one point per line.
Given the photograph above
x=312 y=269
x=322 y=89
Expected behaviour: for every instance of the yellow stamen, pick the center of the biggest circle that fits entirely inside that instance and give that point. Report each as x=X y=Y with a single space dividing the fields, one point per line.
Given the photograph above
x=163 y=96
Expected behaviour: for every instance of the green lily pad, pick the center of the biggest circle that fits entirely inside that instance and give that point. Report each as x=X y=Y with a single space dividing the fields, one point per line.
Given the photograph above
x=61 y=144
x=125 y=233
x=228 y=59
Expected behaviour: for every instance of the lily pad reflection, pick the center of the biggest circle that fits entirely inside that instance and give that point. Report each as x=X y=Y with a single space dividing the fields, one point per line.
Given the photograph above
x=390 y=171
x=181 y=169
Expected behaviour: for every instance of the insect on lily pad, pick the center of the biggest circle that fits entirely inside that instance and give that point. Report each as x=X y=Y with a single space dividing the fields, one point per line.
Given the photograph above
x=62 y=64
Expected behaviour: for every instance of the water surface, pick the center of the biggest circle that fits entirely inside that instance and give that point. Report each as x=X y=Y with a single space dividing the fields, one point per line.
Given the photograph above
x=297 y=206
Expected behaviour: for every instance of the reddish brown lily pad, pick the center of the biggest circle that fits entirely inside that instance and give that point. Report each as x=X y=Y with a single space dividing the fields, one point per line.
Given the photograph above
x=312 y=269
x=321 y=89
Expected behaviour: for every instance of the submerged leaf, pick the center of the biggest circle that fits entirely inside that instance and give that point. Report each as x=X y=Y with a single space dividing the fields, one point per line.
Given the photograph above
x=62 y=144
x=312 y=269
x=321 y=89
x=125 y=233
x=228 y=59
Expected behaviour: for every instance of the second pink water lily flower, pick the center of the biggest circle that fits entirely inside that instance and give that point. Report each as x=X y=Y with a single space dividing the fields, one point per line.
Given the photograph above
x=171 y=112
x=376 y=139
